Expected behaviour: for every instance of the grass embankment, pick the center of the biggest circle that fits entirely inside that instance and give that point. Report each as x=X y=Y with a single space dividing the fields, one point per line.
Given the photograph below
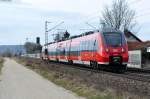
x=1 y=63
x=75 y=87
x=70 y=83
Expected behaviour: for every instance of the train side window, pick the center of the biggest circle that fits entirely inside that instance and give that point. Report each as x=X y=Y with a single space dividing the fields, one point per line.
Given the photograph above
x=82 y=46
x=51 y=52
x=75 y=50
x=58 y=51
x=86 y=48
x=88 y=45
x=91 y=45
x=80 y=49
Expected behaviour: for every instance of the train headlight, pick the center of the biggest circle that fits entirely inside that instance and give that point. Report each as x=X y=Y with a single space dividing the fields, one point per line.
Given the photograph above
x=107 y=50
x=123 y=50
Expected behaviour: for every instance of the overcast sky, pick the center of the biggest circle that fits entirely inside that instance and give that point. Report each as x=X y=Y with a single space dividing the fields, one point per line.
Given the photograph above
x=21 y=19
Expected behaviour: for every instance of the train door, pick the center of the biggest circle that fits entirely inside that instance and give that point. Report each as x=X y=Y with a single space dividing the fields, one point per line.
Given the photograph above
x=66 y=50
x=46 y=53
x=94 y=50
x=79 y=51
x=57 y=52
x=94 y=63
x=69 y=53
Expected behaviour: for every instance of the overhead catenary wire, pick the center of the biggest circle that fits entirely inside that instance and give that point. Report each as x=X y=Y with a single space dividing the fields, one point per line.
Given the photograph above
x=48 y=30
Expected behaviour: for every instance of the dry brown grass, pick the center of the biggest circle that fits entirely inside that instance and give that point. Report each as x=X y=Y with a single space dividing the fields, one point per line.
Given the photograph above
x=67 y=78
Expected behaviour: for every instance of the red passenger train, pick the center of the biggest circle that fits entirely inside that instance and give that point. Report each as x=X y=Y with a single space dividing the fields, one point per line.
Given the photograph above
x=107 y=48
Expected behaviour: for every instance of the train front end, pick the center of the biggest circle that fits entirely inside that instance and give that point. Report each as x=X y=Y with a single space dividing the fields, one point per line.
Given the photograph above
x=114 y=49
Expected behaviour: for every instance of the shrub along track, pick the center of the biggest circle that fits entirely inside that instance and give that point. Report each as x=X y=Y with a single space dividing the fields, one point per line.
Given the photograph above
x=129 y=82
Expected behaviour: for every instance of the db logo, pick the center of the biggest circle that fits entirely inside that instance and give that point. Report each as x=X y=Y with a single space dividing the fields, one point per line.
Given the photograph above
x=115 y=50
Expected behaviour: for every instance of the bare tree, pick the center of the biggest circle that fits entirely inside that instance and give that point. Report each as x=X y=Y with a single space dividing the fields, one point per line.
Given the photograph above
x=119 y=15
x=32 y=47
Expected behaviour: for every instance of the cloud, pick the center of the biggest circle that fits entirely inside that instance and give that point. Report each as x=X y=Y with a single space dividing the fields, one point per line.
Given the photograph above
x=11 y=1
x=6 y=0
x=18 y=22
x=82 y=6
x=25 y=18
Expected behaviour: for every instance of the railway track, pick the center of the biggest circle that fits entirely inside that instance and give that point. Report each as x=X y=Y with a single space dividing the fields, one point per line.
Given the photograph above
x=144 y=77
x=134 y=75
x=135 y=70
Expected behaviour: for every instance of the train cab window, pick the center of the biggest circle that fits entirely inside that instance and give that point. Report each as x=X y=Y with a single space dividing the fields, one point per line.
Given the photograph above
x=113 y=39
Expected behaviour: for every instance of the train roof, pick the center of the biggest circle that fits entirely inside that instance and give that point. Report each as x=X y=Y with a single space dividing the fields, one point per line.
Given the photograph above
x=103 y=30
x=84 y=34
x=75 y=36
x=88 y=33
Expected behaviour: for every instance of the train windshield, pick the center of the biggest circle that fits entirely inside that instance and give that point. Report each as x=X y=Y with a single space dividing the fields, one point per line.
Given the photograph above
x=113 y=39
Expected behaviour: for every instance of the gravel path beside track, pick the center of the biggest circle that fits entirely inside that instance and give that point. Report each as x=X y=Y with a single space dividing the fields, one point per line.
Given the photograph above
x=18 y=82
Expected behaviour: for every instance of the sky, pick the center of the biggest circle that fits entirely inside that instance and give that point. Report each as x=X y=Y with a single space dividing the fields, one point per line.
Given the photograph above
x=24 y=20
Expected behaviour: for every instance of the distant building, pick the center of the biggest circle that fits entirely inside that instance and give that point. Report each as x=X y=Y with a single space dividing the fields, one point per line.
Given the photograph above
x=136 y=45
x=132 y=37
